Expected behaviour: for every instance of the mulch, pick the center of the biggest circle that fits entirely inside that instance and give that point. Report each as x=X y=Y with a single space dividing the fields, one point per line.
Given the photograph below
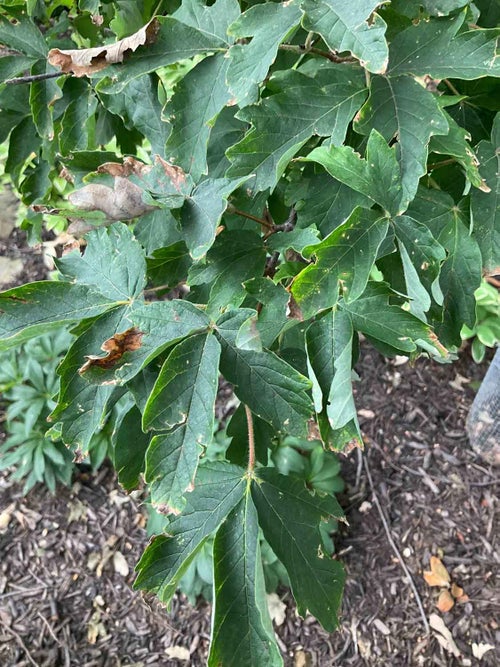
x=66 y=562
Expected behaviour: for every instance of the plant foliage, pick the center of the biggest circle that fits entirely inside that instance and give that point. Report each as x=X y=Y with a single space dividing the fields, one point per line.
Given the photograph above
x=307 y=171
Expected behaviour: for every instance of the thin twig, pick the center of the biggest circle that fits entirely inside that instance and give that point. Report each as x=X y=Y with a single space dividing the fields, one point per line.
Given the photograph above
x=329 y=55
x=20 y=642
x=51 y=631
x=251 y=441
x=244 y=214
x=153 y=290
x=443 y=163
x=395 y=548
x=34 y=77
x=451 y=87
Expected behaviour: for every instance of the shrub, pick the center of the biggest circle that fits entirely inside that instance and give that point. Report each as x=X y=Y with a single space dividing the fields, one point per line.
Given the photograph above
x=320 y=170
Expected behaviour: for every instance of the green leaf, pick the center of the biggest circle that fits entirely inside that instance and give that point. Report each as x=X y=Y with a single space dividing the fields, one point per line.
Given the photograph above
x=271 y=388
x=350 y=27
x=343 y=260
x=218 y=488
x=202 y=212
x=442 y=7
x=273 y=300
x=438 y=47
x=485 y=207
x=290 y=516
x=327 y=203
x=329 y=343
x=11 y=66
x=23 y=36
x=269 y=25
x=389 y=324
x=162 y=324
x=303 y=106
x=192 y=111
x=24 y=143
x=401 y=108
x=194 y=30
x=460 y=277
x=157 y=229
x=74 y=134
x=36 y=308
x=425 y=255
x=235 y=257
x=43 y=94
x=377 y=177
x=129 y=449
x=183 y=397
x=113 y=263
x=169 y=266
x=240 y=595
x=455 y=143
x=139 y=108
x=237 y=430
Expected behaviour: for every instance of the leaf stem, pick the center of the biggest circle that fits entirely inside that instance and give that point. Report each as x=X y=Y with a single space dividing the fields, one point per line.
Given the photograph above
x=34 y=77
x=329 y=55
x=244 y=214
x=251 y=441
x=451 y=87
x=443 y=163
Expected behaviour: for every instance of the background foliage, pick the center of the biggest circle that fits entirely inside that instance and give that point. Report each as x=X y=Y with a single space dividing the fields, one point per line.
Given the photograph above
x=307 y=171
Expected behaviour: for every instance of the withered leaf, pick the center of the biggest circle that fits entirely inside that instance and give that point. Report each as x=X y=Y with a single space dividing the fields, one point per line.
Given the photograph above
x=445 y=601
x=122 y=202
x=83 y=62
x=458 y=594
x=116 y=346
x=438 y=574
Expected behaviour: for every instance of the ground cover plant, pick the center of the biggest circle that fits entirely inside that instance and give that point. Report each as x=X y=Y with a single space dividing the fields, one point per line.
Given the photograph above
x=299 y=173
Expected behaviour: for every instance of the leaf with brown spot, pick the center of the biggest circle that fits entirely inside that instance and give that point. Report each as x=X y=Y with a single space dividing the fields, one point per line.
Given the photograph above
x=122 y=202
x=445 y=601
x=116 y=346
x=85 y=62
x=438 y=574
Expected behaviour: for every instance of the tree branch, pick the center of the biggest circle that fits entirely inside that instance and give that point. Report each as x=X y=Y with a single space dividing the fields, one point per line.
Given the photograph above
x=34 y=77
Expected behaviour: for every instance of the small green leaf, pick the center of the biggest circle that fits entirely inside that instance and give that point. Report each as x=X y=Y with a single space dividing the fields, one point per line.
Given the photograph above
x=350 y=27
x=82 y=103
x=24 y=36
x=400 y=107
x=138 y=106
x=273 y=300
x=43 y=94
x=378 y=177
x=269 y=25
x=344 y=259
x=103 y=266
x=218 y=488
x=290 y=516
x=240 y=595
x=129 y=449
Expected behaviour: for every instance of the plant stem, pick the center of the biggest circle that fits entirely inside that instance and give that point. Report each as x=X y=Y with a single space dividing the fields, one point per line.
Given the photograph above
x=34 y=77
x=243 y=214
x=251 y=441
x=329 y=55
x=451 y=87
x=443 y=163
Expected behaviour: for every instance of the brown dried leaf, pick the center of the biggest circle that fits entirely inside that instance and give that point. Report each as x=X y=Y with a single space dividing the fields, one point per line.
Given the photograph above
x=122 y=202
x=445 y=601
x=458 y=594
x=116 y=346
x=438 y=574
x=83 y=62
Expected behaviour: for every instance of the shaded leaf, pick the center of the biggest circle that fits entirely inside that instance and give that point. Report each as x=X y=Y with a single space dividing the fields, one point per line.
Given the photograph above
x=303 y=106
x=129 y=449
x=290 y=516
x=240 y=594
x=24 y=36
x=401 y=108
x=218 y=488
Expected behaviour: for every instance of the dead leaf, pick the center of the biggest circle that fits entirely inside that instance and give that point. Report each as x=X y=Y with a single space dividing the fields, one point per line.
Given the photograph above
x=458 y=382
x=293 y=310
x=6 y=516
x=302 y=659
x=120 y=564
x=438 y=574
x=478 y=650
x=85 y=62
x=116 y=346
x=313 y=430
x=381 y=627
x=95 y=628
x=77 y=511
x=276 y=608
x=458 y=594
x=443 y=635
x=122 y=202
x=445 y=601
x=178 y=653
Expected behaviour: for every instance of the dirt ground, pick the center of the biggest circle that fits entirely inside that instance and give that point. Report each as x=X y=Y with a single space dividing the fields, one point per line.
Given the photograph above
x=66 y=562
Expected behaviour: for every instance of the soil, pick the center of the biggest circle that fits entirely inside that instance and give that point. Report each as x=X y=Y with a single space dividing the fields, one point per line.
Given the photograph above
x=66 y=564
